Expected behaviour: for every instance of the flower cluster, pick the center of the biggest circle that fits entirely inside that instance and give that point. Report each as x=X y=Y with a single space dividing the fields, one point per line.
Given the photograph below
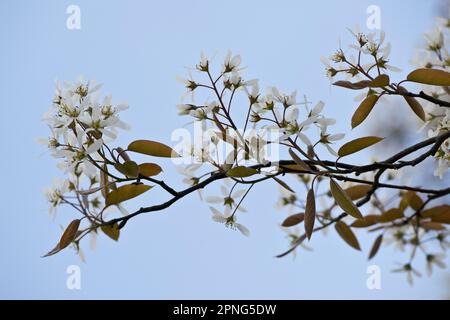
x=435 y=55
x=80 y=124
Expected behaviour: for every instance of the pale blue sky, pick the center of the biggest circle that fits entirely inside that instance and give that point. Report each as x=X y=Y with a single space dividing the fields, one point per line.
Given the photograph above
x=136 y=48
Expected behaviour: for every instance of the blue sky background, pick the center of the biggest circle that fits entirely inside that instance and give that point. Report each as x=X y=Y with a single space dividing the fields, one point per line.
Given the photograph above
x=136 y=48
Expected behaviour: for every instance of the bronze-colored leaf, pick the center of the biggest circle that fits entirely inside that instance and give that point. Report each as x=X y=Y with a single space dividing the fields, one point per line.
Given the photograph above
x=358 y=191
x=376 y=246
x=364 y=109
x=368 y=221
x=434 y=77
x=104 y=183
x=429 y=213
x=413 y=200
x=357 y=145
x=293 y=220
x=431 y=225
x=302 y=164
x=149 y=169
x=415 y=106
x=152 y=148
x=441 y=217
x=347 y=234
x=344 y=201
x=380 y=81
x=126 y=192
x=69 y=234
x=111 y=230
x=283 y=184
x=241 y=172
x=129 y=169
x=391 y=215
x=123 y=154
x=354 y=86
x=310 y=213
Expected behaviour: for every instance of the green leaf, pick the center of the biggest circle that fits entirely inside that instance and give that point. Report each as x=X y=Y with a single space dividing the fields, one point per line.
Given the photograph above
x=111 y=231
x=347 y=235
x=381 y=81
x=129 y=169
x=376 y=246
x=241 y=172
x=358 y=191
x=310 y=213
x=293 y=220
x=364 y=109
x=149 y=169
x=344 y=201
x=357 y=145
x=152 y=148
x=415 y=106
x=434 y=77
x=126 y=192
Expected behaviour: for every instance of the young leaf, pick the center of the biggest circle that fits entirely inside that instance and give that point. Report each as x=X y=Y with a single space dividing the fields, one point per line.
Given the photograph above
x=293 y=220
x=241 y=172
x=310 y=213
x=431 y=225
x=111 y=231
x=415 y=106
x=152 y=148
x=354 y=86
x=126 y=192
x=149 y=169
x=413 y=200
x=129 y=169
x=434 y=77
x=358 y=191
x=302 y=164
x=344 y=201
x=363 y=110
x=283 y=184
x=391 y=215
x=442 y=209
x=376 y=246
x=381 y=81
x=69 y=234
x=347 y=234
x=357 y=145
x=441 y=217
x=368 y=221
x=104 y=183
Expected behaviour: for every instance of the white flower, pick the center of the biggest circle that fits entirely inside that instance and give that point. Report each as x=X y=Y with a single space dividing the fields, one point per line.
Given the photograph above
x=285 y=99
x=231 y=63
x=55 y=194
x=229 y=220
x=184 y=109
x=410 y=271
x=228 y=198
x=435 y=259
x=188 y=172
